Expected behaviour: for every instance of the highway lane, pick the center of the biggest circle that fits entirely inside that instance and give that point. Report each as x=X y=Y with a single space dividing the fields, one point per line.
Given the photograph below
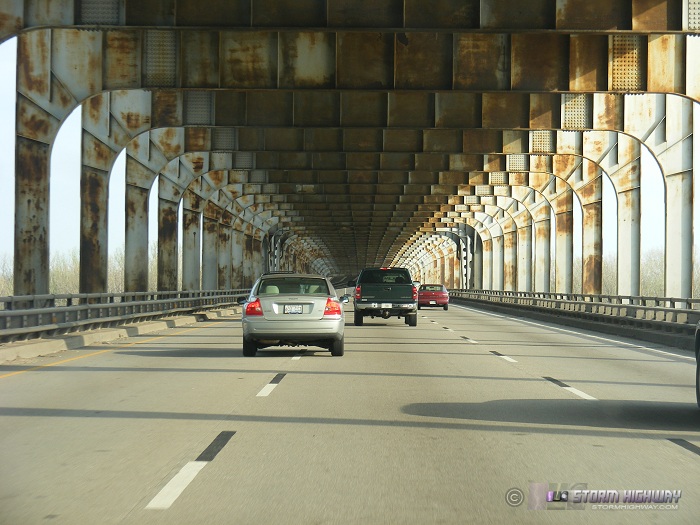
x=432 y=424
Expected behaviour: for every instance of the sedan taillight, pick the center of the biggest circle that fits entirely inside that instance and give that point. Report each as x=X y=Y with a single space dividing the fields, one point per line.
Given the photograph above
x=332 y=307
x=254 y=308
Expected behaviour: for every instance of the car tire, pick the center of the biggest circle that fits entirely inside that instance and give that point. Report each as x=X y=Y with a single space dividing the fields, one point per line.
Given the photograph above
x=444 y=307
x=359 y=318
x=249 y=348
x=338 y=347
x=419 y=307
x=697 y=379
x=412 y=319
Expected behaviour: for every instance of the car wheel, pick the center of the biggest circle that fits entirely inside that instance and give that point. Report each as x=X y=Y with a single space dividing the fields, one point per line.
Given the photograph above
x=249 y=348
x=338 y=347
x=412 y=319
x=444 y=307
x=419 y=307
x=359 y=319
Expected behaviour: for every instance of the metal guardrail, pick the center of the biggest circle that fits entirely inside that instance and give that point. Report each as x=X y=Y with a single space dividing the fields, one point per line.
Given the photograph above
x=23 y=317
x=660 y=313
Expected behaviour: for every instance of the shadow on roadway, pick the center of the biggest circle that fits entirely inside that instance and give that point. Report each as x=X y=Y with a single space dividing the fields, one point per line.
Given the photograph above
x=640 y=415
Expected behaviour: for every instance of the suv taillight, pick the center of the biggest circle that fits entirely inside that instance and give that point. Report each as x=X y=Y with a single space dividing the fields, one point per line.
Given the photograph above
x=415 y=293
x=358 y=292
x=332 y=307
x=254 y=308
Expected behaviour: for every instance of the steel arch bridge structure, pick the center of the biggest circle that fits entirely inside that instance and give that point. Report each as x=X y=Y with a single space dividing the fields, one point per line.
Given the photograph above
x=329 y=135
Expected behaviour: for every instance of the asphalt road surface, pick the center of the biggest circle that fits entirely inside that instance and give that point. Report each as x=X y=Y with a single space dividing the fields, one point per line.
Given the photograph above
x=470 y=417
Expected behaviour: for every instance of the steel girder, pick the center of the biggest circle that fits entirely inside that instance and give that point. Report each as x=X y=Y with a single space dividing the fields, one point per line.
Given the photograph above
x=652 y=42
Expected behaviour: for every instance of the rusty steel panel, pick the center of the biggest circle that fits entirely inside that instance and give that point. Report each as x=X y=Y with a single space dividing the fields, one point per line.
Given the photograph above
x=431 y=162
x=215 y=13
x=362 y=139
x=96 y=154
x=509 y=14
x=593 y=14
x=510 y=275
x=170 y=141
x=457 y=110
x=363 y=109
x=94 y=191
x=330 y=140
x=414 y=109
x=307 y=60
x=365 y=60
x=122 y=60
x=608 y=111
x=210 y=253
x=34 y=123
x=656 y=15
x=284 y=139
x=199 y=59
x=666 y=63
x=314 y=108
x=80 y=70
x=465 y=163
x=545 y=111
x=423 y=61
x=249 y=59
x=151 y=13
x=136 y=239
x=506 y=110
x=167 y=108
x=692 y=77
x=481 y=61
x=167 y=245
x=592 y=279
x=589 y=63
x=229 y=108
x=12 y=19
x=131 y=110
x=34 y=64
x=365 y=13
x=31 y=255
x=270 y=108
x=328 y=161
x=403 y=140
x=461 y=14
x=482 y=141
x=438 y=140
x=48 y=12
x=289 y=13
x=539 y=62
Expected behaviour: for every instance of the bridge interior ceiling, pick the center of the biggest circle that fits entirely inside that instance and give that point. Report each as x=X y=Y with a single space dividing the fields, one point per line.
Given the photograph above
x=329 y=135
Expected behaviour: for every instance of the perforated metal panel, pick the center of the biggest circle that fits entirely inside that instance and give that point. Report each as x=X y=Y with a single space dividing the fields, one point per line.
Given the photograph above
x=244 y=160
x=498 y=178
x=161 y=59
x=198 y=108
x=484 y=190
x=516 y=162
x=576 y=111
x=99 y=12
x=542 y=141
x=626 y=65
x=693 y=14
x=471 y=200
x=225 y=139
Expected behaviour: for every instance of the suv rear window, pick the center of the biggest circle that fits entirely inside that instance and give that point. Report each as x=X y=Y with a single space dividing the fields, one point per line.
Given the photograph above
x=389 y=276
x=293 y=285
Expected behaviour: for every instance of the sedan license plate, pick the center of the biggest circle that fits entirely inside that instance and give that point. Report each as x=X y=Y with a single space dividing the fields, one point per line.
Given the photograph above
x=293 y=309
x=433 y=302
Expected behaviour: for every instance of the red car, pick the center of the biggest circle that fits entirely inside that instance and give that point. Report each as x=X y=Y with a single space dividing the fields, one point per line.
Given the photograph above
x=433 y=295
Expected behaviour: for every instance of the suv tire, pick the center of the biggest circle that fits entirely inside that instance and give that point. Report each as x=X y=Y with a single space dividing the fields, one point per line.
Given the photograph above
x=412 y=319
x=359 y=318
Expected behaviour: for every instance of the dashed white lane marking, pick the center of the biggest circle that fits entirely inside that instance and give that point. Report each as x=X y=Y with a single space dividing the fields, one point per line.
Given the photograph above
x=468 y=340
x=267 y=389
x=509 y=359
x=606 y=339
x=271 y=385
x=577 y=392
x=167 y=496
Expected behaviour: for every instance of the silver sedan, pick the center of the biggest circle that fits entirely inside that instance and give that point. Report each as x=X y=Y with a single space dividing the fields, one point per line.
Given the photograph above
x=293 y=309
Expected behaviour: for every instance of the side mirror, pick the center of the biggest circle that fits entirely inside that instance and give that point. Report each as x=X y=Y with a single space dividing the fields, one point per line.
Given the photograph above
x=416 y=284
x=242 y=300
x=344 y=298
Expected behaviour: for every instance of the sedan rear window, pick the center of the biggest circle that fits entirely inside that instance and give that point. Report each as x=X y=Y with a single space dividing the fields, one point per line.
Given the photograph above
x=432 y=288
x=293 y=285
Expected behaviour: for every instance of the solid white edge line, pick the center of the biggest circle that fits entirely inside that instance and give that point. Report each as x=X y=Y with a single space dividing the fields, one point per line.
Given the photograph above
x=168 y=494
x=296 y=358
x=606 y=339
x=266 y=390
x=579 y=393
